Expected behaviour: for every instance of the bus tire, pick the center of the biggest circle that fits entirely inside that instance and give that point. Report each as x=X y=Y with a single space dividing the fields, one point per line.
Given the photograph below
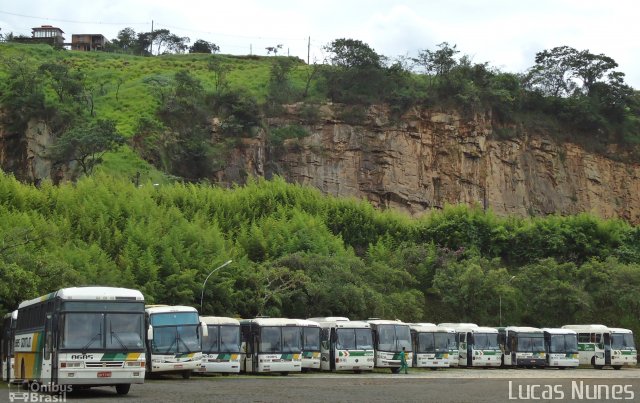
x=284 y=373
x=617 y=366
x=357 y=371
x=186 y=374
x=395 y=370
x=123 y=388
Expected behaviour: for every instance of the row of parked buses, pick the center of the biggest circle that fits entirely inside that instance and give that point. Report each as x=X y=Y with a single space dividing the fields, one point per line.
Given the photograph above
x=98 y=336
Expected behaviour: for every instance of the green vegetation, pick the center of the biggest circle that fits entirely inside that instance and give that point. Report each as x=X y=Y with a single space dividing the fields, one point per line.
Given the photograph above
x=297 y=253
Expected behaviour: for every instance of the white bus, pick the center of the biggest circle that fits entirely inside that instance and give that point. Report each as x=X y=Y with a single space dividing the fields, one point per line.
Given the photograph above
x=561 y=346
x=310 y=344
x=596 y=346
x=522 y=346
x=454 y=349
x=430 y=345
x=221 y=346
x=345 y=345
x=6 y=345
x=271 y=345
x=478 y=345
x=86 y=336
x=389 y=338
x=173 y=339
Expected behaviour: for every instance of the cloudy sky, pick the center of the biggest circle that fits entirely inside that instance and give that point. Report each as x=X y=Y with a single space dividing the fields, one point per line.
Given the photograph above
x=505 y=33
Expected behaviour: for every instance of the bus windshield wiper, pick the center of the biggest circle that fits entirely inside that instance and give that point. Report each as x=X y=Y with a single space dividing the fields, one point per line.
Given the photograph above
x=183 y=343
x=93 y=339
x=117 y=337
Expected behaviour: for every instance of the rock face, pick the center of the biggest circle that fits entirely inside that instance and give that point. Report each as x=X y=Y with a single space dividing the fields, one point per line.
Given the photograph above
x=427 y=159
x=419 y=161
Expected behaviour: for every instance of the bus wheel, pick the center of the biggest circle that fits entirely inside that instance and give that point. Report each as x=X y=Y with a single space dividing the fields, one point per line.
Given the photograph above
x=186 y=375
x=123 y=389
x=395 y=370
x=284 y=373
x=617 y=366
x=357 y=371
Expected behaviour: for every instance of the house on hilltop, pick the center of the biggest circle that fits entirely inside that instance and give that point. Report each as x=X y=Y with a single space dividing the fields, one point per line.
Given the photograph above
x=88 y=42
x=44 y=34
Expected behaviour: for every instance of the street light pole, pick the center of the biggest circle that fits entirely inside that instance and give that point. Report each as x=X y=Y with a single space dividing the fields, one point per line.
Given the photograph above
x=500 y=296
x=205 y=281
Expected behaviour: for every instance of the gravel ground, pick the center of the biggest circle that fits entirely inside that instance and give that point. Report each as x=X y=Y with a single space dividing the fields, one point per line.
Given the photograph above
x=451 y=385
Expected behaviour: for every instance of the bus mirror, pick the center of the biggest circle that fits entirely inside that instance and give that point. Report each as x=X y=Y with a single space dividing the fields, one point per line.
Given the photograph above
x=205 y=329
x=150 y=333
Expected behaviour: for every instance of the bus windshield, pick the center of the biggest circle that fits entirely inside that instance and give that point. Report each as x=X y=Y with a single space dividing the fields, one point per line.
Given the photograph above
x=175 y=339
x=311 y=338
x=394 y=337
x=354 y=339
x=530 y=343
x=221 y=339
x=622 y=341
x=563 y=343
x=174 y=318
x=486 y=341
x=119 y=331
x=275 y=339
x=451 y=339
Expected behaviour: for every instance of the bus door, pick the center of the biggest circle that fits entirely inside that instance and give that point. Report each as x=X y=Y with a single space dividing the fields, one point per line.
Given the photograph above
x=46 y=374
x=255 y=344
x=462 y=345
x=469 y=349
x=607 y=348
x=332 y=349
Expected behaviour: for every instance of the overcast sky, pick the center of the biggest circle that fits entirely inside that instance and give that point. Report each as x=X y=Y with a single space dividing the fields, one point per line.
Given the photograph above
x=505 y=33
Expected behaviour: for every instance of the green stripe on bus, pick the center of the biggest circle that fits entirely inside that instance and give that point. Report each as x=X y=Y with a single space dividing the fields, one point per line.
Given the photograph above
x=114 y=356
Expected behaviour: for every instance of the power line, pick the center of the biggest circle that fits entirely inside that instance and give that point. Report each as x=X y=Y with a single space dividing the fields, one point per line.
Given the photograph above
x=73 y=21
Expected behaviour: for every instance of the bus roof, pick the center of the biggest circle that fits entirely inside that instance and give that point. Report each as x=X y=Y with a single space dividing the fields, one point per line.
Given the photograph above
x=219 y=320
x=345 y=324
x=427 y=328
x=620 y=330
x=587 y=328
x=153 y=309
x=329 y=319
x=88 y=293
x=271 y=321
x=458 y=325
x=308 y=323
x=386 y=322
x=555 y=330
x=483 y=329
x=425 y=324
x=527 y=329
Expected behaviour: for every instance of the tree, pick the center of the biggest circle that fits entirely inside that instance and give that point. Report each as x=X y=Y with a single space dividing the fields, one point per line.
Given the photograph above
x=439 y=62
x=87 y=143
x=65 y=82
x=177 y=44
x=126 y=41
x=352 y=53
x=202 y=46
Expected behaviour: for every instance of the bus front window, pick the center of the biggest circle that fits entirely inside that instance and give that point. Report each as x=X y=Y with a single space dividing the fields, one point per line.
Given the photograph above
x=82 y=331
x=291 y=339
x=485 y=341
x=622 y=341
x=187 y=338
x=441 y=342
x=311 y=337
x=557 y=344
x=571 y=343
x=364 y=339
x=124 y=331
x=346 y=339
x=210 y=342
x=404 y=337
x=270 y=338
x=230 y=339
x=426 y=343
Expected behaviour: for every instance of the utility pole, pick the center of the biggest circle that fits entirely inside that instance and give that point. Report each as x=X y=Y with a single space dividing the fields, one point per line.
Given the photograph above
x=151 y=51
x=250 y=49
x=308 y=49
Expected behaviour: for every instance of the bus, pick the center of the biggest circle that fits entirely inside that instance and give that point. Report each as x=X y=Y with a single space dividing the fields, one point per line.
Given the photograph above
x=221 y=346
x=173 y=339
x=561 y=346
x=430 y=344
x=345 y=345
x=389 y=338
x=84 y=336
x=310 y=344
x=478 y=345
x=522 y=346
x=454 y=349
x=271 y=345
x=597 y=348
x=6 y=345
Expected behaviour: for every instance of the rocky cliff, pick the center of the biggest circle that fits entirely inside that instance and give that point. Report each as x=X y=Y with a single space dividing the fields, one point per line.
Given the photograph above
x=419 y=161
x=427 y=159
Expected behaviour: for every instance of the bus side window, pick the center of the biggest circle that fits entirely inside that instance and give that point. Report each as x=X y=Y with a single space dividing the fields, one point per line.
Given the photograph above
x=583 y=337
x=463 y=337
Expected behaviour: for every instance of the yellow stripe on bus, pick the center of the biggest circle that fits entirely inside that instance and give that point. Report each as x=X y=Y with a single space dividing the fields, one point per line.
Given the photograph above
x=133 y=356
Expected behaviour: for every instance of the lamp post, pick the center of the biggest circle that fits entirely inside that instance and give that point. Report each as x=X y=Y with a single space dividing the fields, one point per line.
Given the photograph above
x=500 y=296
x=205 y=280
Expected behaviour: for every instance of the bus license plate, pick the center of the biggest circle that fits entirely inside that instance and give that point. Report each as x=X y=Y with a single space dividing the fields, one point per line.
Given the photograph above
x=177 y=366
x=104 y=374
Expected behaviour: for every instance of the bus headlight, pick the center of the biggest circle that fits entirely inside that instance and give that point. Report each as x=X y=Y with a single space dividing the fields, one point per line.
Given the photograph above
x=71 y=364
x=135 y=363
